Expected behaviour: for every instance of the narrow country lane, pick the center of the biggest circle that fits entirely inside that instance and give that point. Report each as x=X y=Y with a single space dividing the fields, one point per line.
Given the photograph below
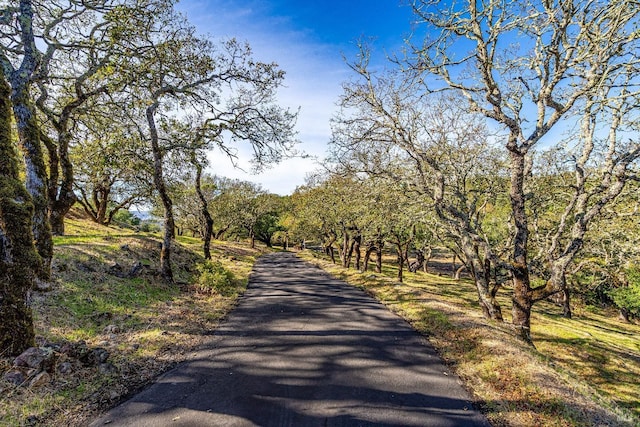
x=303 y=349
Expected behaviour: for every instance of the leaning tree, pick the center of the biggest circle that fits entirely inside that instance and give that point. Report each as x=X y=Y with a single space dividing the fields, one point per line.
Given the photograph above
x=178 y=74
x=436 y=152
x=19 y=59
x=538 y=69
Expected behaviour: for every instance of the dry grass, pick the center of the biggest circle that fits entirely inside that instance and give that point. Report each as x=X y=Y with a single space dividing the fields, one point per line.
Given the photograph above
x=584 y=371
x=147 y=325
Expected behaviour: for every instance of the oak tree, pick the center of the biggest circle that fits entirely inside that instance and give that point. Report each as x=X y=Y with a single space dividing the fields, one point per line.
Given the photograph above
x=535 y=68
x=17 y=252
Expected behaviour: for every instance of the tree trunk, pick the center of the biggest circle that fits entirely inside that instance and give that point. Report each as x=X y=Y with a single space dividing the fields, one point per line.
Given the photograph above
x=204 y=210
x=167 y=239
x=522 y=299
x=96 y=208
x=418 y=263
x=328 y=245
x=158 y=179
x=344 y=247
x=352 y=244
x=566 y=303
x=407 y=259
x=427 y=258
x=453 y=266
x=356 y=248
x=60 y=192
x=522 y=303
x=36 y=174
x=208 y=234
x=220 y=233
x=19 y=261
x=59 y=210
x=29 y=135
x=61 y=198
x=624 y=315
x=555 y=287
x=400 y=250
x=56 y=219
x=379 y=258
x=367 y=255
x=102 y=199
x=478 y=269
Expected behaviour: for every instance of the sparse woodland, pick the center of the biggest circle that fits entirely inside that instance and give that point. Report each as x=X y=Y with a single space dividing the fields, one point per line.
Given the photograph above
x=500 y=148
x=108 y=99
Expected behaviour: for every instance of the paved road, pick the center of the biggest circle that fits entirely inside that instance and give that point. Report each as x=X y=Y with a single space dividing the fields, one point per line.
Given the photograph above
x=303 y=349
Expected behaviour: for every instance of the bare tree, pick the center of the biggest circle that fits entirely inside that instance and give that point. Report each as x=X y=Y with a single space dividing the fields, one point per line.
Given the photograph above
x=207 y=233
x=79 y=45
x=435 y=151
x=176 y=71
x=532 y=67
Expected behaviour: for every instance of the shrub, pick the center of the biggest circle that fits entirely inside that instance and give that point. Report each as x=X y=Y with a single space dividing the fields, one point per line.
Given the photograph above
x=214 y=278
x=628 y=297
x=126 y=218
x=148 y=226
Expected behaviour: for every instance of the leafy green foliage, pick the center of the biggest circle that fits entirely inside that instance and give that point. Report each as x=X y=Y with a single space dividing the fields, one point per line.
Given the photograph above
x=126 y=218
x=265 y=218
x=215 y=278
x=628 y=297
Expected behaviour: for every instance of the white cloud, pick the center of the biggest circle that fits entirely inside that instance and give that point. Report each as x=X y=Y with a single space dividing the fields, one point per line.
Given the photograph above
x=314 y=74
x=281 y=179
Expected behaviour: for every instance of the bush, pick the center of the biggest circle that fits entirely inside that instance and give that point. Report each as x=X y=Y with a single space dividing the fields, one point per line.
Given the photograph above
x=149 y=227
x=628 y=297
x=124 y=217
x=214 y=278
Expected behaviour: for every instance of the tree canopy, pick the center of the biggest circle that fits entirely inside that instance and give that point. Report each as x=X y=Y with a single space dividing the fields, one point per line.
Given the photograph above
x=505 y=132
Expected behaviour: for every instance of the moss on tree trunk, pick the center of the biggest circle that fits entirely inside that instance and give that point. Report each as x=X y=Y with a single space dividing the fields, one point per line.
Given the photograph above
x=204 y=209
x=19 y=260
x=167 y=203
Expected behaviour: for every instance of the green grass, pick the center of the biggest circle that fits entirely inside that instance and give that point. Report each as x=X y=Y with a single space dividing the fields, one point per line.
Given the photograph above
x=86 y=302
x=604 y=352
x=584 y=371
x=157 y=323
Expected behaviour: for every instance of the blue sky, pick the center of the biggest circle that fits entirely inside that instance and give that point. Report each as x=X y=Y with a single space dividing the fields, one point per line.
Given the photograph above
x=308 y=40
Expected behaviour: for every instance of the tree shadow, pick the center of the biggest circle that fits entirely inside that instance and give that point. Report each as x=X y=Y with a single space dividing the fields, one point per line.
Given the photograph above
x=302 y=349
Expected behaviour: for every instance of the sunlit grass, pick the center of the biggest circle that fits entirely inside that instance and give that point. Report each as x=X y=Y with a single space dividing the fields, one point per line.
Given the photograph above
x=604 y=352
x=591 y=358
x=145 y=323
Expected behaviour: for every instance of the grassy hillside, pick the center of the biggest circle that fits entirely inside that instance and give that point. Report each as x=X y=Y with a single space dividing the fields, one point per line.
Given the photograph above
x=584 y=371
x=106 y=294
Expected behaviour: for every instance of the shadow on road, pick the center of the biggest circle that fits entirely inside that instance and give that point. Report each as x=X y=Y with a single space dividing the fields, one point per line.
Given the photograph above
x=303 y=349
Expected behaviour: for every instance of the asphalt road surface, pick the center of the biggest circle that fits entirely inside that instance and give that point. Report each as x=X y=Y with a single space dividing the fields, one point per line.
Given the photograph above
x=303 y=349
